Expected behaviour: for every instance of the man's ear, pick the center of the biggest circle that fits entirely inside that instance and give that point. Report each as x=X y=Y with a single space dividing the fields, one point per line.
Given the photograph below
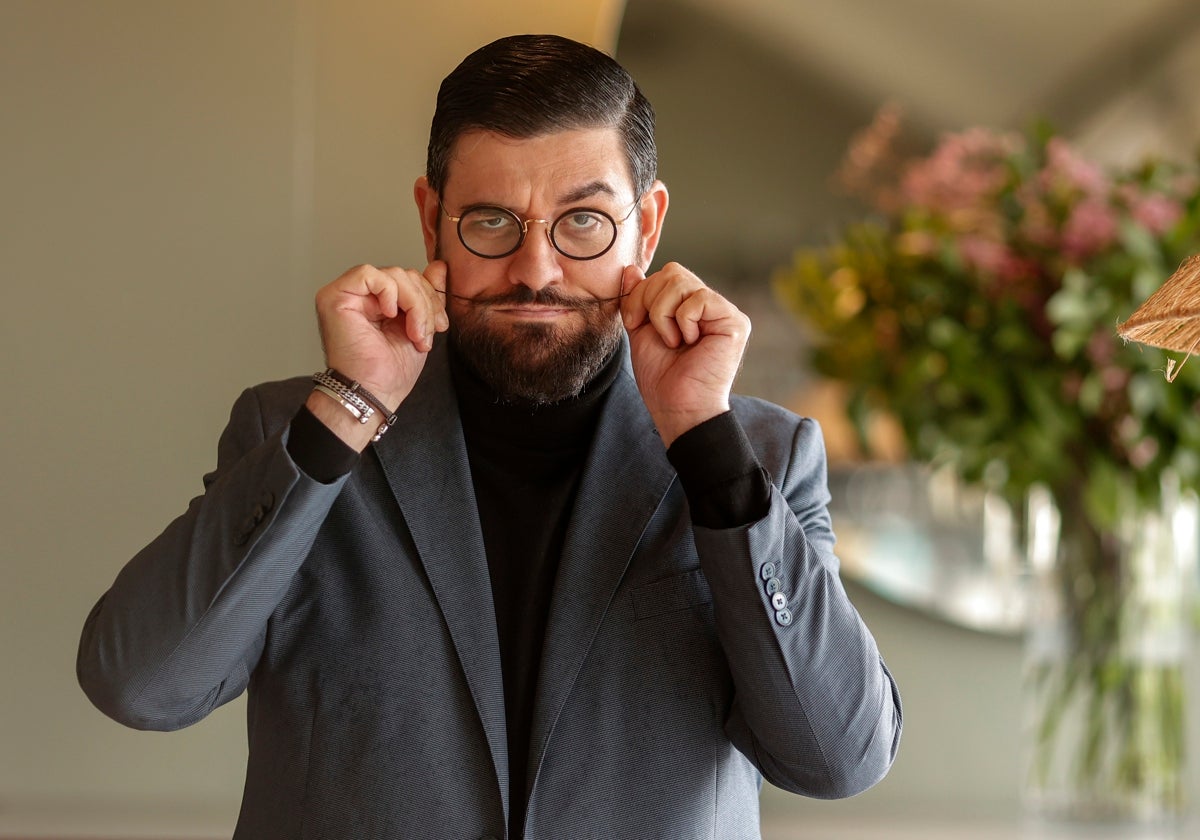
x=430 y=209
x=654 y=213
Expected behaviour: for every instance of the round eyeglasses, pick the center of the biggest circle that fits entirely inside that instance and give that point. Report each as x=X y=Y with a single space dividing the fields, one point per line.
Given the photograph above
x=581 y=233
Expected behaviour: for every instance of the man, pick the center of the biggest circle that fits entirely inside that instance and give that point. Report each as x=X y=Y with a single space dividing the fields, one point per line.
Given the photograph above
x=571 y=588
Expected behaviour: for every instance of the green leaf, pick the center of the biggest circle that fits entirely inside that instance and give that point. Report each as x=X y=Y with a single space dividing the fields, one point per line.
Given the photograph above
x=1020 y=366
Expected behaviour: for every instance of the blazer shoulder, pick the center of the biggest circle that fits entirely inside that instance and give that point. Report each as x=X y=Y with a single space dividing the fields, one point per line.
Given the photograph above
x=777 y=434
x=766 y=420
x=760 y=410
x=274 y=403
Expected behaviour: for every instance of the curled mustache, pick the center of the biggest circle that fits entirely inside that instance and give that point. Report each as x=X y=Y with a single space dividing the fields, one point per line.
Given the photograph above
x=524 y=296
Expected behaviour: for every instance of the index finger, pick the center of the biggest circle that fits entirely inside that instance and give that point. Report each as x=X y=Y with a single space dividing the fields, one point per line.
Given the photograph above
x=417 y=299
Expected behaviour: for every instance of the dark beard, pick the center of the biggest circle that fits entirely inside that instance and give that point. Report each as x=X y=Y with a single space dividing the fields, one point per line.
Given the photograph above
x=538 y=363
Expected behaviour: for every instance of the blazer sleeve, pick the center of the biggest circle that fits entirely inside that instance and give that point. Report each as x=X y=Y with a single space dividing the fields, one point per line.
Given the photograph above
x=815 y=708
x=183 y=624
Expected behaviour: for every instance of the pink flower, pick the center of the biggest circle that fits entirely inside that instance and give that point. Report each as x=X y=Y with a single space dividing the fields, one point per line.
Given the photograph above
x=964 y=173
x=990 y=257
x=1066 y=171
x=1156 y=212
x=1090 y=228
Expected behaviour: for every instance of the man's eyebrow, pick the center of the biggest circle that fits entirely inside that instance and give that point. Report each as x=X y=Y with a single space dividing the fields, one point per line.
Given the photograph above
x=587 y=191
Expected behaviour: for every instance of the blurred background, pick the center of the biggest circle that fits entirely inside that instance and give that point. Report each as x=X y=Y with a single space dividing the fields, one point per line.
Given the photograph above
x=179 y=177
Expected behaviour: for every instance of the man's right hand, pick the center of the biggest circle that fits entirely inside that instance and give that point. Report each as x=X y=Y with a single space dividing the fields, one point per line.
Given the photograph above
x=377 y=327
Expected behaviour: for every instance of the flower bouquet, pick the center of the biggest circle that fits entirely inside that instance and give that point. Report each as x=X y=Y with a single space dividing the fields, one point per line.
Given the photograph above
x=977 y=307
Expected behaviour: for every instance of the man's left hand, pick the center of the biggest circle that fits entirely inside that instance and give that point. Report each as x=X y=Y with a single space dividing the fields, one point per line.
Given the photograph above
x=686 y=343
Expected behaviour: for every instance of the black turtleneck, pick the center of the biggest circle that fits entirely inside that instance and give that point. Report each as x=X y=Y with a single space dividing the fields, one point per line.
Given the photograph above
x=526 y=462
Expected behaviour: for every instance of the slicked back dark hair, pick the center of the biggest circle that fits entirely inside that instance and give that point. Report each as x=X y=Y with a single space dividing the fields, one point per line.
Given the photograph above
x=526 y=86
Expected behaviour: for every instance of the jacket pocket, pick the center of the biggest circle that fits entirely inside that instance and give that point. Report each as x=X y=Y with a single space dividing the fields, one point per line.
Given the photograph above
x=678 y=592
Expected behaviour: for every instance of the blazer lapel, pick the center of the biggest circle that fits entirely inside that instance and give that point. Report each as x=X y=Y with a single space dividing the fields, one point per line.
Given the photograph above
x=624 y=481
x=425 y=460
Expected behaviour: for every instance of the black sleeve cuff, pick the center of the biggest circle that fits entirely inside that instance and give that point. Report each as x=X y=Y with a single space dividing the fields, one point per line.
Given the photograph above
x=726 y=486
x=321 y=454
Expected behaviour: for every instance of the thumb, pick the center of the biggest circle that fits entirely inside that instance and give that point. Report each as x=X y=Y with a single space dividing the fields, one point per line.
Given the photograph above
x=436 y=273
x=633 y=309
x=631 y=276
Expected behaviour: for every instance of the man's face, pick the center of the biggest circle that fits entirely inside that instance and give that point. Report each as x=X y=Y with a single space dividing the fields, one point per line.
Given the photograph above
x=537 y=324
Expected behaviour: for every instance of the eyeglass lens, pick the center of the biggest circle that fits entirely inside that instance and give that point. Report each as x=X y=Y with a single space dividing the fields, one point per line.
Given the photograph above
x=495 y=232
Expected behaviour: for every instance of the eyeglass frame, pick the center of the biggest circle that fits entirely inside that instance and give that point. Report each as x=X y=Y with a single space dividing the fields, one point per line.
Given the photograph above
x=549 y=223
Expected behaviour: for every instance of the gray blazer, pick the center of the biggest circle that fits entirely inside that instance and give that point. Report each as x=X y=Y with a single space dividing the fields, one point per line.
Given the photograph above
x=358 y=615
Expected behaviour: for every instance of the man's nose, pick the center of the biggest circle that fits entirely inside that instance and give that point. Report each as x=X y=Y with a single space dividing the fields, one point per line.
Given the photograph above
x=535 y=264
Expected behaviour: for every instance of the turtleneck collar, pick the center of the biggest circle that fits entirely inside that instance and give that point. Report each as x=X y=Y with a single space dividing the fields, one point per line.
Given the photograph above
x=524 y=424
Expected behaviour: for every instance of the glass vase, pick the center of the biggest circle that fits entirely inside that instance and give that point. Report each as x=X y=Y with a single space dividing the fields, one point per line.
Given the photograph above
x=1110 y=618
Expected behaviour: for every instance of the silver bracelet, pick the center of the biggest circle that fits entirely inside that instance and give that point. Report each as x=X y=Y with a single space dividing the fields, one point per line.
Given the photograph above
x=359 y=391
x=348 y=400
x=354 y=398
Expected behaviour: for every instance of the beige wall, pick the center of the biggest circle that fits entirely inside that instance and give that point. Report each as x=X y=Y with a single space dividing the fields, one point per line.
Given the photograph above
x=177 y=179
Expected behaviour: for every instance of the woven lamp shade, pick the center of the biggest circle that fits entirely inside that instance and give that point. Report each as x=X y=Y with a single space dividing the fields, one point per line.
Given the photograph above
x=1170 y=318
